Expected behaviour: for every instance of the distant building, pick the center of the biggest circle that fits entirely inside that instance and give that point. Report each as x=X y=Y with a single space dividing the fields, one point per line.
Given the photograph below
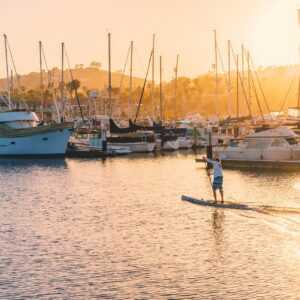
x=294 y=112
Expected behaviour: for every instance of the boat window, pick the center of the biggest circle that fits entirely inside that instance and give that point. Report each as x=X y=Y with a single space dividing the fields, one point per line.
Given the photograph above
x=279 y=143
x=292 y=141
x=223 y=131
x=258 y=143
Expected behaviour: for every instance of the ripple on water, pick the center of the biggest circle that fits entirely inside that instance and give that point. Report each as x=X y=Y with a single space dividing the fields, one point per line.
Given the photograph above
x=117 y=229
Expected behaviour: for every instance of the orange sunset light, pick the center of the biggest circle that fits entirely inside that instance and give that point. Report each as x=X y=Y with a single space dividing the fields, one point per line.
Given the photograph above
x=269 y=29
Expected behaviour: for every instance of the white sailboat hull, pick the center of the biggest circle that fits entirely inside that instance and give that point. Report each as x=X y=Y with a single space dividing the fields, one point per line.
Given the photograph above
x=167 y=146
x=185 y=143
x=136 y=146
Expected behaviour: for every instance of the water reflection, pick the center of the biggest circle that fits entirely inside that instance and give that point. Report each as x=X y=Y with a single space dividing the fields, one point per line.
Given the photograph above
x=28 y=163
x=218 y=218
x=117 y=229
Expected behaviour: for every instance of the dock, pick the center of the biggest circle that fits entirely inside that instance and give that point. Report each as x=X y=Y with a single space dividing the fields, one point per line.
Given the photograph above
x=259 y=164
x=91 y=154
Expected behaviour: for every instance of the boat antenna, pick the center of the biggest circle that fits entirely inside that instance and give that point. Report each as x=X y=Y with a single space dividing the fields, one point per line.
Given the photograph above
x=141 y=97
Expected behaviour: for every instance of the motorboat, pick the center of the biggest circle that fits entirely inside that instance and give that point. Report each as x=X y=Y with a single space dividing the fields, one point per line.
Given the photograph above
x=277 y=144
x=20 y=135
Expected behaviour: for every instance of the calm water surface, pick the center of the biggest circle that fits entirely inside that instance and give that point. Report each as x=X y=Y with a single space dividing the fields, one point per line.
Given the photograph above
x=117 y=229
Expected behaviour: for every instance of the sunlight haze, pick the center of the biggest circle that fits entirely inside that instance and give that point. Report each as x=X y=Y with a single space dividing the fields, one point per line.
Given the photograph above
x=268 y=28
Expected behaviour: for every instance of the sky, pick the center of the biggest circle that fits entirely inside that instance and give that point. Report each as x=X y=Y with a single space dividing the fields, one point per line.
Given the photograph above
x=267 y=28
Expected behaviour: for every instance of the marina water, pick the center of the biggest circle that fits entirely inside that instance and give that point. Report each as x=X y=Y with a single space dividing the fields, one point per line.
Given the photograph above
x=117 y=229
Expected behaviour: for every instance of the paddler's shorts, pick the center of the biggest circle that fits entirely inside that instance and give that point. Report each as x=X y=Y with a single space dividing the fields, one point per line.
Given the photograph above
x=218 y=183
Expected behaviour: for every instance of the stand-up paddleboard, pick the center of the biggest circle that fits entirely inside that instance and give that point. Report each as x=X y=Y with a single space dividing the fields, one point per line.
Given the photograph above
x=215 y=204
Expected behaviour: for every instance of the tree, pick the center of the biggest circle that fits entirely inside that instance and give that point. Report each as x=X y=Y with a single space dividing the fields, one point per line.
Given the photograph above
x=95 y=64
x=73 y=86
x=79 y=66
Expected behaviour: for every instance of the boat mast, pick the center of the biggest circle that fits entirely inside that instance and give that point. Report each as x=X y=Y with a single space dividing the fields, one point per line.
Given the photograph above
x=7 y=73
x=299 y=86
x=229 y=87
x=243 y=78
x=237 y=86
x=153 y=103
x=12 y=80
x=41 y=80
x=62 y=80
x=249 y=74
x=216 y=70
x=160 y=89
x=299 y=60
x=109 y=78
x=175 y=89
x=130 y=84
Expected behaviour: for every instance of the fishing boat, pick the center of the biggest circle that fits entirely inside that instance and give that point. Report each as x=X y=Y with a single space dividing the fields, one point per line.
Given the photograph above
x=20 y=135
x=274 y=145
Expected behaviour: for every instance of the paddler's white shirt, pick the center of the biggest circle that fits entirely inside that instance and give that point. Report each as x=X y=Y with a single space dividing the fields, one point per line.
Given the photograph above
x=217 y=167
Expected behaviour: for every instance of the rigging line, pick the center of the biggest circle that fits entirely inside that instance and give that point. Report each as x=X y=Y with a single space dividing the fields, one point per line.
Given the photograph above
x=77 y=98
x=225 y=76
x=256 y=96
x=263 y=94
x=242 y=84
x=150 y=58
x=50 y=74
x=142 y=66
x=121 y=81
x=13 y=62
x=290 y=88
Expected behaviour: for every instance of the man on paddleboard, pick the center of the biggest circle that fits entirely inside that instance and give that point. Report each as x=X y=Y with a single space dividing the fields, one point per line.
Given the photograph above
x=218 y=177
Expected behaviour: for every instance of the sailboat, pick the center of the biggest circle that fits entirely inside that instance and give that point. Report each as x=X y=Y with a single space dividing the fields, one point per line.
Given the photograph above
x=20 y=134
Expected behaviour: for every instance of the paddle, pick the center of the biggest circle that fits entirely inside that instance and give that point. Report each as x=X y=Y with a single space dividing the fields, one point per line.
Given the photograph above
x=207 y=170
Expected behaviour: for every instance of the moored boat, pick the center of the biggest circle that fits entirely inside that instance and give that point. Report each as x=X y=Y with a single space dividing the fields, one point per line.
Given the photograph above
x=141 y=141
x=20 y=135
x=274 y=145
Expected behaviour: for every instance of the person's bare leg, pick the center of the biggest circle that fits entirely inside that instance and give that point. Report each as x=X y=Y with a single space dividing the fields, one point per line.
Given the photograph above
x=215 y=195
x=222 y=196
